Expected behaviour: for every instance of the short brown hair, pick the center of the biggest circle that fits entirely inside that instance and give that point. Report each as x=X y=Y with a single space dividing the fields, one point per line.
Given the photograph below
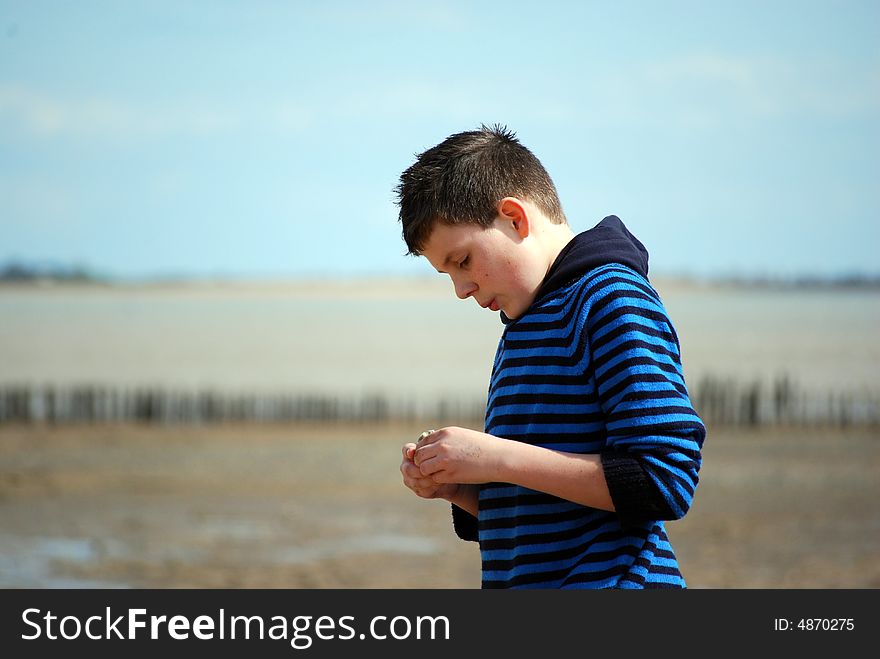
x=462 y=179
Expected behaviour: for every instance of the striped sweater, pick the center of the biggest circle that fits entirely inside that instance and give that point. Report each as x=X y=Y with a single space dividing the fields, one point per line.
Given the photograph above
x=593 y=366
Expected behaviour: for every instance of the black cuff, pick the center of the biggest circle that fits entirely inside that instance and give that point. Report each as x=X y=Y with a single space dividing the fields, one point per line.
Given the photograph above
x=465 y=524
x=635 y=496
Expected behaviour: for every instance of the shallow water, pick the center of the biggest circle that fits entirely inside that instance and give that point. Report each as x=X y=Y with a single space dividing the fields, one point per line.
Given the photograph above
x=29 y=562
x=397 y=338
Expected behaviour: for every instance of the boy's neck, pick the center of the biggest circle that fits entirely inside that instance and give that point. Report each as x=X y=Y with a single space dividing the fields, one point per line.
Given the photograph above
x=555 y=238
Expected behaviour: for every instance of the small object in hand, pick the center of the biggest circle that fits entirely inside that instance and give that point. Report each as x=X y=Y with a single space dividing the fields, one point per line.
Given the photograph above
x=425 y=434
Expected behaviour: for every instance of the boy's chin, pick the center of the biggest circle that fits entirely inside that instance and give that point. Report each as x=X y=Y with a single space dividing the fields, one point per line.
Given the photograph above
x=512 y=311
x=510 y=315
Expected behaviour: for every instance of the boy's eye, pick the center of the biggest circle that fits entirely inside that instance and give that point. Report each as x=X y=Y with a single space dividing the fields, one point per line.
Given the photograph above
x=464 y=261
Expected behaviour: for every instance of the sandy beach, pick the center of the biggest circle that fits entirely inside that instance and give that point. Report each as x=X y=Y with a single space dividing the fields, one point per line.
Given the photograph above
x=323 y=507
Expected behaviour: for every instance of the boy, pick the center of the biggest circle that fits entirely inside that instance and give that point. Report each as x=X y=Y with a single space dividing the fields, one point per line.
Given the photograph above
x=590 y=438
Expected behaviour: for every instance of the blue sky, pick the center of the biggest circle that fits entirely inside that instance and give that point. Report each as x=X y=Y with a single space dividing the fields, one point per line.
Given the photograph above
x=264 y=139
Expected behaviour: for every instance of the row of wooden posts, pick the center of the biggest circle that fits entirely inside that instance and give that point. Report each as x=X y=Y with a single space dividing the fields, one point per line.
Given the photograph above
x=96 y=404
x=727 y=402
x=720 y=402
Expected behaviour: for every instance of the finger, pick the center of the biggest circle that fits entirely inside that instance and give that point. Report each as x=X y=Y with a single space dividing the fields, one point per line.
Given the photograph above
x=429 y=466
x=419 y=482
x=408 y=449
x=425 y=484
x=409 y=470
x=424 y=487
x=440 y=477
x=422 y=453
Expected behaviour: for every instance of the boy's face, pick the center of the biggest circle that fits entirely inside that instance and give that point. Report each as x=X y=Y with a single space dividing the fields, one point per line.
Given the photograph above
x=497 y=266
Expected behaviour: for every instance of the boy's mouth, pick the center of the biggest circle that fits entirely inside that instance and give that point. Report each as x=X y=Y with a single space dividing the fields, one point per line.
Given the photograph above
x=492 y=304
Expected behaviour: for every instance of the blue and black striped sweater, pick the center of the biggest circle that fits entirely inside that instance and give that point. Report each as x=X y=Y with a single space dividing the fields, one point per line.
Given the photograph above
x=593 y=366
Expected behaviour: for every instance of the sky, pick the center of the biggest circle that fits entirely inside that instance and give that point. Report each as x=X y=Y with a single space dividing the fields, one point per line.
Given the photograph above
x=263 y=140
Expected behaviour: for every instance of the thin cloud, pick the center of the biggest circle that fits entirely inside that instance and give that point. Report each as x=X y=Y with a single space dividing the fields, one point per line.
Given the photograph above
x=44 y=116
x=770 y=87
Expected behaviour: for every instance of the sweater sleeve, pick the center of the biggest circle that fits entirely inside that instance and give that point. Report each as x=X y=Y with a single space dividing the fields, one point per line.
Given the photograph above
x=464 y=523
x=654 y=436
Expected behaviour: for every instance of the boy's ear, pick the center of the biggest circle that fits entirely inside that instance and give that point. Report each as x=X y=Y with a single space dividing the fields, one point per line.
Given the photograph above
x=513 y=210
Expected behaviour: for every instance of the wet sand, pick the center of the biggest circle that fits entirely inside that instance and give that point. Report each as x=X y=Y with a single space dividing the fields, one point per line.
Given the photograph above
x=323 y=507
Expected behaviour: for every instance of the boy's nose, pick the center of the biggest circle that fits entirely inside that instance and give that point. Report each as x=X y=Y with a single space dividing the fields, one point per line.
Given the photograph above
x=464 y=289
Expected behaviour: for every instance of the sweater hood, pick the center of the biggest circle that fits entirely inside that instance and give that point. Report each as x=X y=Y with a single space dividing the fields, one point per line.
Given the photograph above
x=607 y=242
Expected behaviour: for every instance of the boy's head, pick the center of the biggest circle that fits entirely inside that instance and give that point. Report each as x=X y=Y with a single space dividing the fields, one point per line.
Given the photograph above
x=464 y=178
x=481 y=208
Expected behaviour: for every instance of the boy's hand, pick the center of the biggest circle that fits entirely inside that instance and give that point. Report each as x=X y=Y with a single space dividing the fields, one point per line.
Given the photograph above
x=458 y=455
x=424 y=486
